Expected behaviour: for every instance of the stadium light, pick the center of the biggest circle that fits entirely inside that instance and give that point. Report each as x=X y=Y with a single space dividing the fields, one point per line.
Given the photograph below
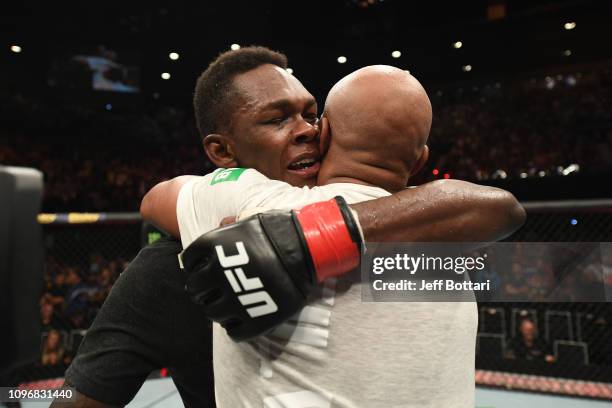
x=16 y=49
x=174 y=56
x=342 y=59
x=165 y=75
x=396 y=54
x=235 y=47
x=570 y=25
x=457 y=45
x=290 y=71
x=572 y=168
x=466 y=68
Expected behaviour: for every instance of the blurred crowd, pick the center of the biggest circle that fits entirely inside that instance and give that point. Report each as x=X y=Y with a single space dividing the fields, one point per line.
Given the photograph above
x=547 y=272
x=536 y=127
x=73 y=295
x=71 y=298
x=105 y=160
x=98 y=160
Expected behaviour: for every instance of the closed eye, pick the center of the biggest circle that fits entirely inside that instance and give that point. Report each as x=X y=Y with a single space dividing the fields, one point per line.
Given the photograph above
x=312 y=118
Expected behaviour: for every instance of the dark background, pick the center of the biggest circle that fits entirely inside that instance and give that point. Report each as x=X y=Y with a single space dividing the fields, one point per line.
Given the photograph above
x=530 y=38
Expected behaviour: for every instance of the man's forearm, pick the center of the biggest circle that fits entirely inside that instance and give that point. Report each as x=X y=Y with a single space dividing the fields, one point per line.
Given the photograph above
x=158 y=206
x=293 y=251
x=443 y=210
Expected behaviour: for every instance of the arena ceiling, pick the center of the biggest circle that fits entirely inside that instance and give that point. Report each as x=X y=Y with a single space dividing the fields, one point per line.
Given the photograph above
x=498 y=37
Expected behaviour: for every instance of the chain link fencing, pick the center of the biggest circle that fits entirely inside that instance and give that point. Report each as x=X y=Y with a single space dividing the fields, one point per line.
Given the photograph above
x=561 y=342
x=566 y=342
x=84 y=255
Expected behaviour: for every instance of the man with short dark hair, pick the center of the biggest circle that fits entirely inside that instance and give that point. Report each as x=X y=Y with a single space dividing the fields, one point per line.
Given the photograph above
x=148 y=322
x=215 y=98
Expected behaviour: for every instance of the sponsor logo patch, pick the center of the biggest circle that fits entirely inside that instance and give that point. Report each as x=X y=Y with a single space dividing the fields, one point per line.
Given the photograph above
x=227 y=175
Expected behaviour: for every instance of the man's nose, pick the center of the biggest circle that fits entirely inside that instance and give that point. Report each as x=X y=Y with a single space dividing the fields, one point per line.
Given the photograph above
x=306 y=132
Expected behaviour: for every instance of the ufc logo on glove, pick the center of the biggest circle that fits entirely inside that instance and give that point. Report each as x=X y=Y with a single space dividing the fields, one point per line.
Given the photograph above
x=240 y=282
x=292 y=252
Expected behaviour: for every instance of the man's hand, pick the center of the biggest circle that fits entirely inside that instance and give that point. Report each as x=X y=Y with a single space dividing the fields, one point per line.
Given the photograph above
x=253 y=275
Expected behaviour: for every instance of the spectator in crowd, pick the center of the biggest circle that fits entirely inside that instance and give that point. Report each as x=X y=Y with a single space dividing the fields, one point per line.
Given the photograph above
x=606 y=258
x=47 y=315
x=528 y=346
x=488 y=273
x=50 y=318
x=53 y=349
x=77 y=298
x=590 y=287
x=541 y=281
x=55 y=289
x=102 y=282
x=515 y=285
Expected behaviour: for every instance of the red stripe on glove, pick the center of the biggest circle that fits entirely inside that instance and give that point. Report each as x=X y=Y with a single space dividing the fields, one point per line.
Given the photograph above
x=332 y=250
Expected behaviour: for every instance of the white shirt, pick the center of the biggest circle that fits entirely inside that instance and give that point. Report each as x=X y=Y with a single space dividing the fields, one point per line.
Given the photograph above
x=339 y=351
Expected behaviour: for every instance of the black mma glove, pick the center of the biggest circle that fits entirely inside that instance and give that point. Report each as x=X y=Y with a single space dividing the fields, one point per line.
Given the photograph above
x=255 y=274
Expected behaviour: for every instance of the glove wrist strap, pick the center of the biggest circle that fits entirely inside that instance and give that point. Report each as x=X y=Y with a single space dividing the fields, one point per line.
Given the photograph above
x=333 y=240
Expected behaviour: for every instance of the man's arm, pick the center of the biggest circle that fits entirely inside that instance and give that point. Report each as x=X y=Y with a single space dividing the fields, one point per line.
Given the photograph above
x=289 y=252
x=193 y=205
x=158 y=206
x=443 y=210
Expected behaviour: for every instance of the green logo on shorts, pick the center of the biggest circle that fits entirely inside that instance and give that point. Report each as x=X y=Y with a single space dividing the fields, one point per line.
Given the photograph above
x=153 y=236
x=227 y=175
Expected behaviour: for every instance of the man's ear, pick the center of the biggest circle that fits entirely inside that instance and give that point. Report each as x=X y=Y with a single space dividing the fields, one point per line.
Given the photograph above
x=420 y=162
x=220 y=150
x=324 y=135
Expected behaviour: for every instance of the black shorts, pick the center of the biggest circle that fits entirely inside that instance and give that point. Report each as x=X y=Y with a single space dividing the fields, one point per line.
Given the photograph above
x=146 y=323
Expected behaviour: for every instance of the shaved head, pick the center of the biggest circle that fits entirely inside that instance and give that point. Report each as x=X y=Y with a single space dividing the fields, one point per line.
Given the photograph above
x=380 y=116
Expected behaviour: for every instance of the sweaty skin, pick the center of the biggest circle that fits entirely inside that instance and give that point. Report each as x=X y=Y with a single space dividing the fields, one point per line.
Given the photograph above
x=372 y=139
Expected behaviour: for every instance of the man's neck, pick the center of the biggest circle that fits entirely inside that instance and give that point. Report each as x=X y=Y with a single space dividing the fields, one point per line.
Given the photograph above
x=343 y=168
x=350 y=180
x=364 y=175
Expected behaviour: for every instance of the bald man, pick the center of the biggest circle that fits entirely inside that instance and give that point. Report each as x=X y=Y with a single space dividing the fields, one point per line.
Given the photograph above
x=380 y=118
x=339 y=352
